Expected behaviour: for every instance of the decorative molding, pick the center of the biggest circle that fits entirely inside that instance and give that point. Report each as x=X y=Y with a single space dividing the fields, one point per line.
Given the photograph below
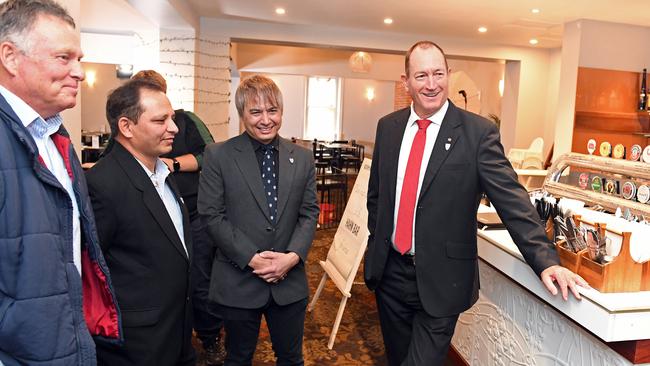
x=510 y=326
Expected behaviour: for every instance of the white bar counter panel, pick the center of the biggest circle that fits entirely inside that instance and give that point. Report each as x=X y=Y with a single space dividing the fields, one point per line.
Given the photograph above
x=516 y=321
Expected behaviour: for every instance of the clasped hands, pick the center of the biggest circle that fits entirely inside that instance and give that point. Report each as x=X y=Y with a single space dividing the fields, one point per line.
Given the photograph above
x=273 y=267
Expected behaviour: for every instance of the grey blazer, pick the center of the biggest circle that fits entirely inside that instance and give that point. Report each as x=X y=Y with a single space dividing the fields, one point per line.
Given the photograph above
x=231 y=198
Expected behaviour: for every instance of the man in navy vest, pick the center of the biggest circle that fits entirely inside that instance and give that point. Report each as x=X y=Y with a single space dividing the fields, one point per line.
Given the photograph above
x=49 y=250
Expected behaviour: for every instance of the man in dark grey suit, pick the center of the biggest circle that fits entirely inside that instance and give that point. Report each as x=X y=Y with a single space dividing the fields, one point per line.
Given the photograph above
x=258 y=194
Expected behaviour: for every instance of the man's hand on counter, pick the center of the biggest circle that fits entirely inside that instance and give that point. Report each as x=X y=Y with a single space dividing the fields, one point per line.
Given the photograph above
x=565 y=279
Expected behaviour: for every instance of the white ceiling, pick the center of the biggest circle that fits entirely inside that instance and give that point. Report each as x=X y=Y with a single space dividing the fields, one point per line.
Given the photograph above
x=509 y=22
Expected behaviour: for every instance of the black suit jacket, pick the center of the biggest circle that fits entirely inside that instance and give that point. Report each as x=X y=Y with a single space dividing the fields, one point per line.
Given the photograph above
x=231 y=196
x=445 y=226
x=149 y=267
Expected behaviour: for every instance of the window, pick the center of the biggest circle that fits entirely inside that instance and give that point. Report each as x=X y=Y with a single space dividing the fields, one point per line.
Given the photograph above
x=323 y=112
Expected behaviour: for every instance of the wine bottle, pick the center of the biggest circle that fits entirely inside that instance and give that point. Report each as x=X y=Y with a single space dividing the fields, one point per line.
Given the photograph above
x=643 y=96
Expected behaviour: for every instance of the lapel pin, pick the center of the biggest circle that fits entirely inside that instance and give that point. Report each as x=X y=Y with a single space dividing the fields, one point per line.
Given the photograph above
x=448 y=144
x=291 y=160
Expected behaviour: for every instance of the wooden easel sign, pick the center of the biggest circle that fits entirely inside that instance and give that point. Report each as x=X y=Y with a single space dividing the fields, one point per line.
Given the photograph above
x=349 y=245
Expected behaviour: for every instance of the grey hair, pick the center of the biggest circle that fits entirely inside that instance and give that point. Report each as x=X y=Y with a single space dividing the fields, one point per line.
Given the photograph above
x=17 y=17
x=257 y=87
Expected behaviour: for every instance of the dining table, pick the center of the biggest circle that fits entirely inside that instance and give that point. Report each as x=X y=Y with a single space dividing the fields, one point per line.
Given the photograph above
x=337 y=150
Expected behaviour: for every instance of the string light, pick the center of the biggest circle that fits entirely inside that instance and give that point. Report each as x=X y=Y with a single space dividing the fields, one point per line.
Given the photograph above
x=208 y=65
x=206 y=101
x=143 y=42
x=195 y=65
x=226 y=94
x=219 y=123
x=175 y=75
x=208 y=41
x=196 y=52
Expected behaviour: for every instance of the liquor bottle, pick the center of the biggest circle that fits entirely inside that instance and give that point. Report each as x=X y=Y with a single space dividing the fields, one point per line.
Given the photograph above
x=643 y=96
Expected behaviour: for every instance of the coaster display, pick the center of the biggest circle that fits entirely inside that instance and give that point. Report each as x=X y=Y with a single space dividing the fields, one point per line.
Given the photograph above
x=646 y=154
x=591 y=146
x=583 y=180
x=605 y=149
x=643 y=193
x=629 y=190
x=619 y=151
x=610 y=186
x=635 y=152
x=597 y=184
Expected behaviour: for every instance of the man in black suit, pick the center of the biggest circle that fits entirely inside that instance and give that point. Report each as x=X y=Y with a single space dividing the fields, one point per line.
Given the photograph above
x=184 y=160
x=431 y=163
x=258 y=194
x=144 y=230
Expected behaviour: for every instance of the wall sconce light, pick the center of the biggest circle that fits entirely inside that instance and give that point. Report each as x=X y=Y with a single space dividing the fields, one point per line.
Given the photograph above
x=360 y=62
x=370 y=94
x=91 y=77
x=501 y=87
x=124 y=71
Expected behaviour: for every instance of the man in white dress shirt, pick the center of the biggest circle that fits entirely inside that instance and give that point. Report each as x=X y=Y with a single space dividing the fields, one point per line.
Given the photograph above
x=49 y=250
x=431 y=163
x=144 y=230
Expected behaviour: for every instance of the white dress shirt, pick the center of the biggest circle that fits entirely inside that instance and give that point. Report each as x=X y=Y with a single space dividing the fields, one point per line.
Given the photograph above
x=405 y=150
x=159 y=181
x=52 y=159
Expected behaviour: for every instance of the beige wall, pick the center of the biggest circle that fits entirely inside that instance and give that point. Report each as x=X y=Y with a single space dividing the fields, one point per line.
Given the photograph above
x=360 y=116
x=486 y=76
x=110 y=16
x=552 y=87
x=93 y=99
x=588 y=43
x=532 y=120
x=314 y=61
x=567 y=92
x=614 y=46
x=530 y=114
x=510 y=103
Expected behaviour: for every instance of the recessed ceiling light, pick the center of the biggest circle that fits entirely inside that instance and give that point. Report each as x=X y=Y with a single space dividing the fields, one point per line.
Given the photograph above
x=280 y=11
x=534 y=11
x=533 y=41
x=482 y=29
x=388 y=20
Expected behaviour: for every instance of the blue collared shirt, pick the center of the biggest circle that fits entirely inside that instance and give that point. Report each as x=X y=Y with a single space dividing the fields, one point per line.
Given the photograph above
x=52 y=159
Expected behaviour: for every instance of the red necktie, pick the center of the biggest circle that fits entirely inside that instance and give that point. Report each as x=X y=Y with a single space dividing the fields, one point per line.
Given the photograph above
x=404 y=230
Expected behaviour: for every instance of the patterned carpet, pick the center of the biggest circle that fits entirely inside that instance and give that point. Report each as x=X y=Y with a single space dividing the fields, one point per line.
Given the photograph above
x=358 y=341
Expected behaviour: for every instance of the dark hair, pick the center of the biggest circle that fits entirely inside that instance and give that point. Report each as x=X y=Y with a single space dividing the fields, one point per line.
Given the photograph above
x=17 y=17
x=125 y=102
x=423 y=45
x=153 y=76
x=254 y=87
